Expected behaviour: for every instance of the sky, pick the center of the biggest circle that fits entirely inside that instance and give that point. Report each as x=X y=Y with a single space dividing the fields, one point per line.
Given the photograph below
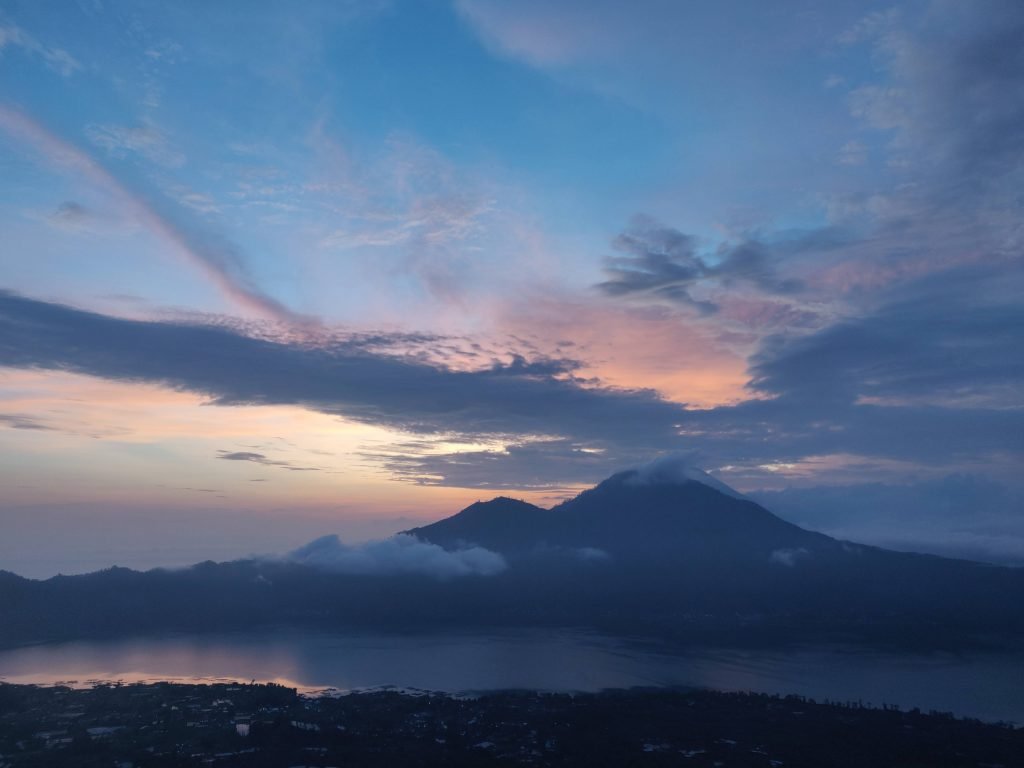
x=270 y=271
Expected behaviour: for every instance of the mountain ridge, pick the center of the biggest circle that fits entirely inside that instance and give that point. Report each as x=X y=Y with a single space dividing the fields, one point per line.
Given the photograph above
x=638 y=554
x=649 y=513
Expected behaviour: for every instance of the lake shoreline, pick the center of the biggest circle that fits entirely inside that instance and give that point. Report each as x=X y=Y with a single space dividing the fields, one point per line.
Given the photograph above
x=968 y=684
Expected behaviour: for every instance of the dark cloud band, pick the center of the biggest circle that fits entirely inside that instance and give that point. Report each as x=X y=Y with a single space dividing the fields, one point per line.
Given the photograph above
x=558 y=430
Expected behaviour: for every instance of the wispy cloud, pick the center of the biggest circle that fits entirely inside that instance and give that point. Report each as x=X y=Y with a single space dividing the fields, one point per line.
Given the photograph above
x=218 y=259
x=664 y=264
x=146 y=139
x=411 y=202
x=544 y=34
x=263 y=460
x=71 y=215
x=21 y=421
x=57 y=59
x=950 y=97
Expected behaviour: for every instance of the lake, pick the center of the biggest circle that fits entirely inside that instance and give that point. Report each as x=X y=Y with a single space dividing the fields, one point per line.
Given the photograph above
x=975 y=685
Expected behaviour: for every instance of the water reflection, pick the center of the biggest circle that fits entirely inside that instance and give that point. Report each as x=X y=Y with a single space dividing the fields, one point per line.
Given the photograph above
x=979 y=686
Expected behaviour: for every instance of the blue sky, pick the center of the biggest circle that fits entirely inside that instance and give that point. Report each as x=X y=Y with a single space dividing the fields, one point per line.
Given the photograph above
x=421 y=252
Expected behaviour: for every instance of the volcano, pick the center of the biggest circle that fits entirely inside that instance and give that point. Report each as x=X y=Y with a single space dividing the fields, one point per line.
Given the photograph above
x=660 y=550
x=633 y=516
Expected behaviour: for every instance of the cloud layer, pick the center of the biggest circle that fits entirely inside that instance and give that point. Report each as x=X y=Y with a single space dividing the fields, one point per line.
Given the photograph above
x=863 y=398
x=662 y=263
x=399 y=554
x=344 y=378
x=955 y=515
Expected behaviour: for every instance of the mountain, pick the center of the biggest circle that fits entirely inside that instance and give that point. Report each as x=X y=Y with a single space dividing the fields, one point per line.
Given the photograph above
x=502 y=524
x=632 y=518
x=678 y=544
x=657 y=551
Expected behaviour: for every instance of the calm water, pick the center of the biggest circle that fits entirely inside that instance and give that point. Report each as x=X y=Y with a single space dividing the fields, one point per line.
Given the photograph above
x=988 y=687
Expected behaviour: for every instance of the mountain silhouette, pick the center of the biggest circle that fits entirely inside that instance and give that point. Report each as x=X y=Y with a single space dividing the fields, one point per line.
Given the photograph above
x=661 y=550
x=630 y=517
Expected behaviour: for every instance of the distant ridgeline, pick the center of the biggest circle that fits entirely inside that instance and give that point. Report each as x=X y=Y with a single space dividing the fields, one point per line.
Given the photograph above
x=682 y=558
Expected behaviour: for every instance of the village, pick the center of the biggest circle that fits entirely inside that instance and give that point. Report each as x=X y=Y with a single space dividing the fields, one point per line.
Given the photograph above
x=232 y=724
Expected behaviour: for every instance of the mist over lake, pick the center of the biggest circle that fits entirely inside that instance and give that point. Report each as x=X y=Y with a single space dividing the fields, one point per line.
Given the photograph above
x=980 y=685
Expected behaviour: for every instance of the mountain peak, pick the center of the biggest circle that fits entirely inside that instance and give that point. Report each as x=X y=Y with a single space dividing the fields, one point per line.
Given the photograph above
x=673 y=469
x=501 y=518
x=667 y=506
x=498 y=505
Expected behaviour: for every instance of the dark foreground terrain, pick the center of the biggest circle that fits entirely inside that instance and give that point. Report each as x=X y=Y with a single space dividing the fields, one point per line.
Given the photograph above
x=268 y=725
